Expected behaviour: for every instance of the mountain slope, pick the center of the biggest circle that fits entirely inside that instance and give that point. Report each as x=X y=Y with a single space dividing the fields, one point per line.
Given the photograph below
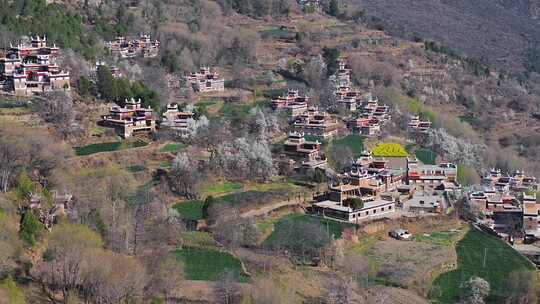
x=495 y=31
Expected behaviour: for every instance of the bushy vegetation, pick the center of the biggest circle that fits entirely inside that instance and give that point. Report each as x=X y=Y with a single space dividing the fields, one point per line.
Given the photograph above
x=120 y=89
x=53 y=20
x=331 y=56
x=467 y=175
x=31 y=228
x=389 y=150
x=331 y=227
x=304 y=236
x=10 y=292
x=417 y=107
x=354 y=142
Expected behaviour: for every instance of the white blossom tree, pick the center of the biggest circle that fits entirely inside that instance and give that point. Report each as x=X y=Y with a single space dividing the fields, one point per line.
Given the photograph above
x=475 y=290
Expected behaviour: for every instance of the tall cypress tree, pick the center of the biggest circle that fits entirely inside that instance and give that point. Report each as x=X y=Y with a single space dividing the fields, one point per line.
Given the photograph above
x=333 y=8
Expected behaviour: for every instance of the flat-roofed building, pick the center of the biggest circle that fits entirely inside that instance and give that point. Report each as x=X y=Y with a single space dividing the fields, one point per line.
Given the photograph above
x=368 y=210
x=425 y=203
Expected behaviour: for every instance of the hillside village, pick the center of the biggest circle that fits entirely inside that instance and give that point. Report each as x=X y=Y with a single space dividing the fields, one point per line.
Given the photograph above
x=299 y=156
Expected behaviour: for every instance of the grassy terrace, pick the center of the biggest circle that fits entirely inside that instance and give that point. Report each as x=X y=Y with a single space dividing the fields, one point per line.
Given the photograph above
x=500 y=261
x=445 y=238
x=108 y=147
x=335 y=228
x=190 y=210
x=277 y=33
x=15 y=111
x=209 y=265
x=221 y=188
x=172 y=148
x=257 y=194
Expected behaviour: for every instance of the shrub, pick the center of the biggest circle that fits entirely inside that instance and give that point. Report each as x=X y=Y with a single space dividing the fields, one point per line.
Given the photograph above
x=31 y=228
x=417 y=107
x=354 y=202
x=467 y=175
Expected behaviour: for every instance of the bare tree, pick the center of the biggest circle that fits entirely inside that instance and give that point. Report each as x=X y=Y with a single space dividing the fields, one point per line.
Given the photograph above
x=22 y=147
x=57 y=108
x=227 y=288
x=231 y=229
x=267 y=292
x=113 y=278
x=67 y=249
x=167 y=276
x=315 y=72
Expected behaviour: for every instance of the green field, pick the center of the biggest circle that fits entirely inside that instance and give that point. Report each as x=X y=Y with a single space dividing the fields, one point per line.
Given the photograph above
x=335 y=228
x=173 y=148
x=389 y=150
x=136 y=168
x=190 y=210
x=426 y=156
x=108 y=147
x=15 y=111
x=221 y=188
x=445 y=238
x=354 y=142
x=472 y=250
x=277 y=33
x=208 y=265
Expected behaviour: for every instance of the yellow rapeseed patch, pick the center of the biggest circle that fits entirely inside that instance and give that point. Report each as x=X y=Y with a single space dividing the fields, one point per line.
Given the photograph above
x=389 y=150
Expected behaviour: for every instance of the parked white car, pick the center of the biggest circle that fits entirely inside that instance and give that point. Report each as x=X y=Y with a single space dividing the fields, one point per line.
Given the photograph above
x=400 y=234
